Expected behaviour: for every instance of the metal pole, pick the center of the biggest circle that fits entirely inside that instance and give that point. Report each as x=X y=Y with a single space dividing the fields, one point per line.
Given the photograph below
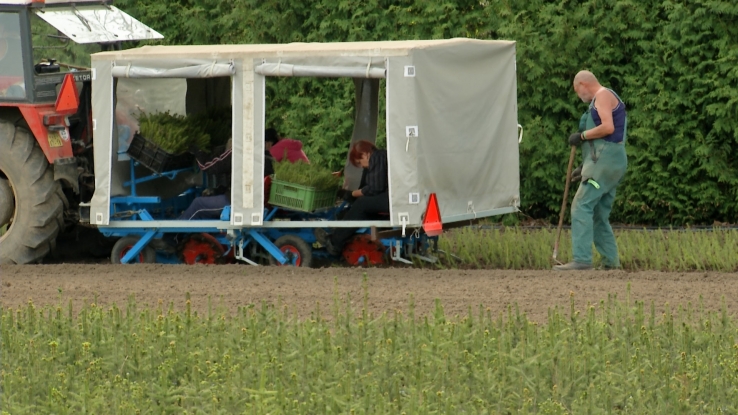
x=563 y=203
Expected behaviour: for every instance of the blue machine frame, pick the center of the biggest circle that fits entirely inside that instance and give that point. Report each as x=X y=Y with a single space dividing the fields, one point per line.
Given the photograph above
x=151 y=213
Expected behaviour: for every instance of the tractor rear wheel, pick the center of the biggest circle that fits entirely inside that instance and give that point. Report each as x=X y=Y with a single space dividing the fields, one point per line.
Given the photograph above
x=31 y=205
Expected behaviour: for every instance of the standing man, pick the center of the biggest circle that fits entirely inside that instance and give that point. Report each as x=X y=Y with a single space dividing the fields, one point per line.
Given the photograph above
x=605 y=162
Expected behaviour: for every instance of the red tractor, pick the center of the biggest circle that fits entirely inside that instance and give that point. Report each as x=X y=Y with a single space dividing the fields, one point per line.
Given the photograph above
x=46 y=128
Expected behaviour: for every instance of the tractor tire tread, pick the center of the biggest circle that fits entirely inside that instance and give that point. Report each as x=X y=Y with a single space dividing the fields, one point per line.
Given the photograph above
x=39 y=199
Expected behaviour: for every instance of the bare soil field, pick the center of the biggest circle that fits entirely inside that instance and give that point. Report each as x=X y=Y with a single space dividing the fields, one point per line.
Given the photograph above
x=389 y=289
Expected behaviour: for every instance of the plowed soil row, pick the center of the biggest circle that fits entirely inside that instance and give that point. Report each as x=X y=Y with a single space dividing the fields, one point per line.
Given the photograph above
x=389 y=289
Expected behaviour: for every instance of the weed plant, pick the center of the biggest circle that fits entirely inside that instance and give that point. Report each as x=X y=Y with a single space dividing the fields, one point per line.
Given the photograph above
x=613 y=357
x=661 y=250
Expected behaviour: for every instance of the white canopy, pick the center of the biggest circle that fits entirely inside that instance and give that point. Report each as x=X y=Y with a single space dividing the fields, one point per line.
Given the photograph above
x=451 y=117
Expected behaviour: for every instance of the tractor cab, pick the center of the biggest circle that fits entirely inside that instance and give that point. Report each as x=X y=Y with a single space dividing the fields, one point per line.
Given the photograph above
x=44 y=40
x=45 y=107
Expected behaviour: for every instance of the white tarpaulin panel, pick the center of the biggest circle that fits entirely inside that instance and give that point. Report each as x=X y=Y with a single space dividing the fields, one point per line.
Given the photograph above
x=285 y=69
x=96 y=24
x=136 y=96
x=198 y=71
x=247 y=194
x=102 y=133
x=452 y=130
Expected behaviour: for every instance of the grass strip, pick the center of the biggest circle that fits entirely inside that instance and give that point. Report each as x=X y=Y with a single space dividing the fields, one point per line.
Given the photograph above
x=660 y=250
x=612 y=357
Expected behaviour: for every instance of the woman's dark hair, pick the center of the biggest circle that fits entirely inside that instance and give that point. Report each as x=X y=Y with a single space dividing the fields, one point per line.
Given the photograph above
x=271 y=136
x=360 y=147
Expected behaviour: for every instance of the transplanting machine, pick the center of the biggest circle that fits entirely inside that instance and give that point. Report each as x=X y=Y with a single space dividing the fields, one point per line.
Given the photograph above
x=451 y=131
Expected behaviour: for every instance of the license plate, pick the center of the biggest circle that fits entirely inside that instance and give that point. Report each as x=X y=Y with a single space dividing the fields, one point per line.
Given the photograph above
x=55 y=140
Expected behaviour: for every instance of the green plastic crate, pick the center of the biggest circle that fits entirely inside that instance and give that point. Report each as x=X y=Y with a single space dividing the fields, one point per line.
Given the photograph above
x=298 y=197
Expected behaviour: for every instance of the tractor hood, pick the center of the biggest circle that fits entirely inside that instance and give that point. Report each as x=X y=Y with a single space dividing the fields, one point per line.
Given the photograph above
x=96 y=24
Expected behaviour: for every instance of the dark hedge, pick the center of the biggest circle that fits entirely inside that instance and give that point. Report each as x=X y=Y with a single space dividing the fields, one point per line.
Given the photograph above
x=675 y=64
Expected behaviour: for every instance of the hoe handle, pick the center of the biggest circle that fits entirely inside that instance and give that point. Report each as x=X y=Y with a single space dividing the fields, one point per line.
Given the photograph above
x=563 y=202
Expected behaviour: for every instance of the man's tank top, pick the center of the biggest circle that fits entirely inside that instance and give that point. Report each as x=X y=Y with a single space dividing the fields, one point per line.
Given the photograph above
x=618 y=119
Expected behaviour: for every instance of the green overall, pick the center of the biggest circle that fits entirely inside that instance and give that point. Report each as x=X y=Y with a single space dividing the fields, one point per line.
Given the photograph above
x=604 y=162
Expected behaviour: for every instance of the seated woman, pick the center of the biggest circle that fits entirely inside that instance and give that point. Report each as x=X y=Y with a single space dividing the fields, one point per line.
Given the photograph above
x=371 y=198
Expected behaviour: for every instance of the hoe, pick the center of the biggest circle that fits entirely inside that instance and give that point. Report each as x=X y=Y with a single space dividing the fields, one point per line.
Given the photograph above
x=563 y=205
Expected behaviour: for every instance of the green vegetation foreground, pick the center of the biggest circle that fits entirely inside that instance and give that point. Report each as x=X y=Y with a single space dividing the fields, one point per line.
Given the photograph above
x=615 y=356
x=657 y=250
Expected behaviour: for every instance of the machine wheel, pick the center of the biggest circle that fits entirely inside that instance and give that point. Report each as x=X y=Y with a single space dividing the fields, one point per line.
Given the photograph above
x=296 y=249
x=31 y=202
x=361 y=250
x=202 y=249
x=121 y=248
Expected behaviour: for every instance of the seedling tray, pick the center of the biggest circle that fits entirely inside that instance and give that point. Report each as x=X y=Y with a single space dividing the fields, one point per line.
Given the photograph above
x=298 y=197
x=150 y=155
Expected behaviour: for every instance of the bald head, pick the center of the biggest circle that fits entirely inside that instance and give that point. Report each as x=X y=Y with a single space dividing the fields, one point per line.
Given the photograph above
x=586 y=85
x=585 y=77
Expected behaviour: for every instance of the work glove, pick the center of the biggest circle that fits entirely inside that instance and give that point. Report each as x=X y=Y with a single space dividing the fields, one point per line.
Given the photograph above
x=576 y=175
x=575 y=139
